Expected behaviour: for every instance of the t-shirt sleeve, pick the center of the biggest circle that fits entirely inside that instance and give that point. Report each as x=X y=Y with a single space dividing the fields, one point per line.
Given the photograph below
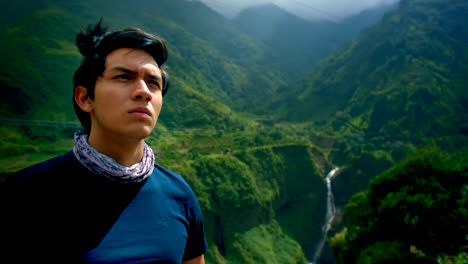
x=196 y=241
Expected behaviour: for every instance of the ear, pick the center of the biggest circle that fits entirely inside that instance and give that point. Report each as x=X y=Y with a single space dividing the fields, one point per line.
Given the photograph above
x=82 y=99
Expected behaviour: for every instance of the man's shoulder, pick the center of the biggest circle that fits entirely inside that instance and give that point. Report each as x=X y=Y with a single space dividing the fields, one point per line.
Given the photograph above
x=43 y=168
x=160 y=169
x=172 y=179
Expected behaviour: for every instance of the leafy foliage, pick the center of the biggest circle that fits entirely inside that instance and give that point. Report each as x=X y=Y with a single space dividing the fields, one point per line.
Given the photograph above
x=418 y=210
x=266 y=244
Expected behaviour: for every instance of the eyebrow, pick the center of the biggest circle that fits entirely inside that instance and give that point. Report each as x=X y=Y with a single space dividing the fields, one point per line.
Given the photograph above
x=123 y=69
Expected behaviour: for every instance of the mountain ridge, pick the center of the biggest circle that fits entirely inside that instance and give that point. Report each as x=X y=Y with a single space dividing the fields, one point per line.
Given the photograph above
x=309 y=42
x=370 y=81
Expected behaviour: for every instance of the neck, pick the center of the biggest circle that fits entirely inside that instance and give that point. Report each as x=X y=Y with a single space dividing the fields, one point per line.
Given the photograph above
x=124 y=152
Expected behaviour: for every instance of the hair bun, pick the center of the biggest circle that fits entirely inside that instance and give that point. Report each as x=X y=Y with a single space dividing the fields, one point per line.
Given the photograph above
x=86 y=39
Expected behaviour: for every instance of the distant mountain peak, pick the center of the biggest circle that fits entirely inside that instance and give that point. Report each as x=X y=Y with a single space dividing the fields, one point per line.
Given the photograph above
x=268 y=11
x=402 y=78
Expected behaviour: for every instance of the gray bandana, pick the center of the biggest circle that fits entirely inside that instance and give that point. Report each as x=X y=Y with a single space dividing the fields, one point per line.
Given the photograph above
x=108 y=167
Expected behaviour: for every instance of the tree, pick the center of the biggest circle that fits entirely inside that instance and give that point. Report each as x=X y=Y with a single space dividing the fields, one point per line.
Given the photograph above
x=418 y=208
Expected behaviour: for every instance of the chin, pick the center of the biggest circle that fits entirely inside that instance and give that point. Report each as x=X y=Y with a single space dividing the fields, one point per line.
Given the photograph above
x=136 y=132
x=144 y=132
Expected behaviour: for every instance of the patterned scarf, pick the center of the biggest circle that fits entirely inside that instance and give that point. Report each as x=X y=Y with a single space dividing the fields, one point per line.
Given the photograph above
x=103 y=165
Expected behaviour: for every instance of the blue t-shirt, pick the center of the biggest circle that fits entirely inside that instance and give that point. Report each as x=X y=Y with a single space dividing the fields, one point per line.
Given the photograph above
x=60 y=211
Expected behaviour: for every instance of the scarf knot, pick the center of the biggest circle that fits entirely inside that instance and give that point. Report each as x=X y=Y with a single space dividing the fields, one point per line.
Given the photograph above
x=106 y=166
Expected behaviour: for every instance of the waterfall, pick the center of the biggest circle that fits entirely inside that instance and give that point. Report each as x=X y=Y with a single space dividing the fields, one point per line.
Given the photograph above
x=329 y=215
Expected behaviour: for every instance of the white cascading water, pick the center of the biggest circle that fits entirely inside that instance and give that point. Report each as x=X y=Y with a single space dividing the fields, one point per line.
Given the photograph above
x=331 y=210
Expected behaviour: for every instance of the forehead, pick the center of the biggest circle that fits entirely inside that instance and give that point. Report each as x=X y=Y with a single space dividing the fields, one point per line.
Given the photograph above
x=134 y=59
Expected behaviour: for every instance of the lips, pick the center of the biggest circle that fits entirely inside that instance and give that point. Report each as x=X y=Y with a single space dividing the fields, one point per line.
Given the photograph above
x=140 y=111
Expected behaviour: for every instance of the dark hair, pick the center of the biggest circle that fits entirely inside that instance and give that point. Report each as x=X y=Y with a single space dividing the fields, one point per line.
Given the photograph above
x=96 y=42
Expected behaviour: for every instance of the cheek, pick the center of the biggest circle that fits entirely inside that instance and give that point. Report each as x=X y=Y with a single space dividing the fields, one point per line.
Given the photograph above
x=157 y=104
x=108 y=104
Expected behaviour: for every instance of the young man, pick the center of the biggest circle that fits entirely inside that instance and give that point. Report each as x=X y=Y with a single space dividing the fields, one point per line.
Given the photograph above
x=106 y=201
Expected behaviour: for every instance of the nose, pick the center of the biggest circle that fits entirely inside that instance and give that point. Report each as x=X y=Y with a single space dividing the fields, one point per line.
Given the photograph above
x=141 y=91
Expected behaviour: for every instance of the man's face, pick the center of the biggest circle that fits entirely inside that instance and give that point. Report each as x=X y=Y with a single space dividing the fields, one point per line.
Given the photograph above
x=128 y=96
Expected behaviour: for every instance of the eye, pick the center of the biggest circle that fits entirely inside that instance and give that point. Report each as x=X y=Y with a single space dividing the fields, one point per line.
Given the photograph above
x=155 y=83
x=122 y=77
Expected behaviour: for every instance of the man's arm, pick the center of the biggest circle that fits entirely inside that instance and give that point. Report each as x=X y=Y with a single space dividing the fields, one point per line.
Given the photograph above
x=198 y=260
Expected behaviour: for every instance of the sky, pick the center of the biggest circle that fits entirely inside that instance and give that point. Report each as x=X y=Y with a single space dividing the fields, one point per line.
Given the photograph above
x=308 y=9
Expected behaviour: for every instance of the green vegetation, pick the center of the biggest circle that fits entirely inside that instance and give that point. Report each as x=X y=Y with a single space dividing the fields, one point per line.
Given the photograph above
x=415 y=212
x=400 y=80
x=266 y=244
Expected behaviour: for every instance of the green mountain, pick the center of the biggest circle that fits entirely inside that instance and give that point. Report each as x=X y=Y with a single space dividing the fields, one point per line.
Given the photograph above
x=402 y=79
x=398 y=85
x=302 y=43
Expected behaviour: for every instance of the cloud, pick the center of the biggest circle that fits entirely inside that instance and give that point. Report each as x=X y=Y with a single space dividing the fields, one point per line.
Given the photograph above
x=308 y=9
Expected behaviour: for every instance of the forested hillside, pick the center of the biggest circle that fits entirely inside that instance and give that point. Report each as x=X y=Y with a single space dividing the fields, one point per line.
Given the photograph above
x=253 y=135
x=398 y=85
x=300 y=49
x=378 y=84
x=415 y=212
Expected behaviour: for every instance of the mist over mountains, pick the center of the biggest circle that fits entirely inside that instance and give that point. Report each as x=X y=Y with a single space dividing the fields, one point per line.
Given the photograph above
x=301 y=48
x=334 y=10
